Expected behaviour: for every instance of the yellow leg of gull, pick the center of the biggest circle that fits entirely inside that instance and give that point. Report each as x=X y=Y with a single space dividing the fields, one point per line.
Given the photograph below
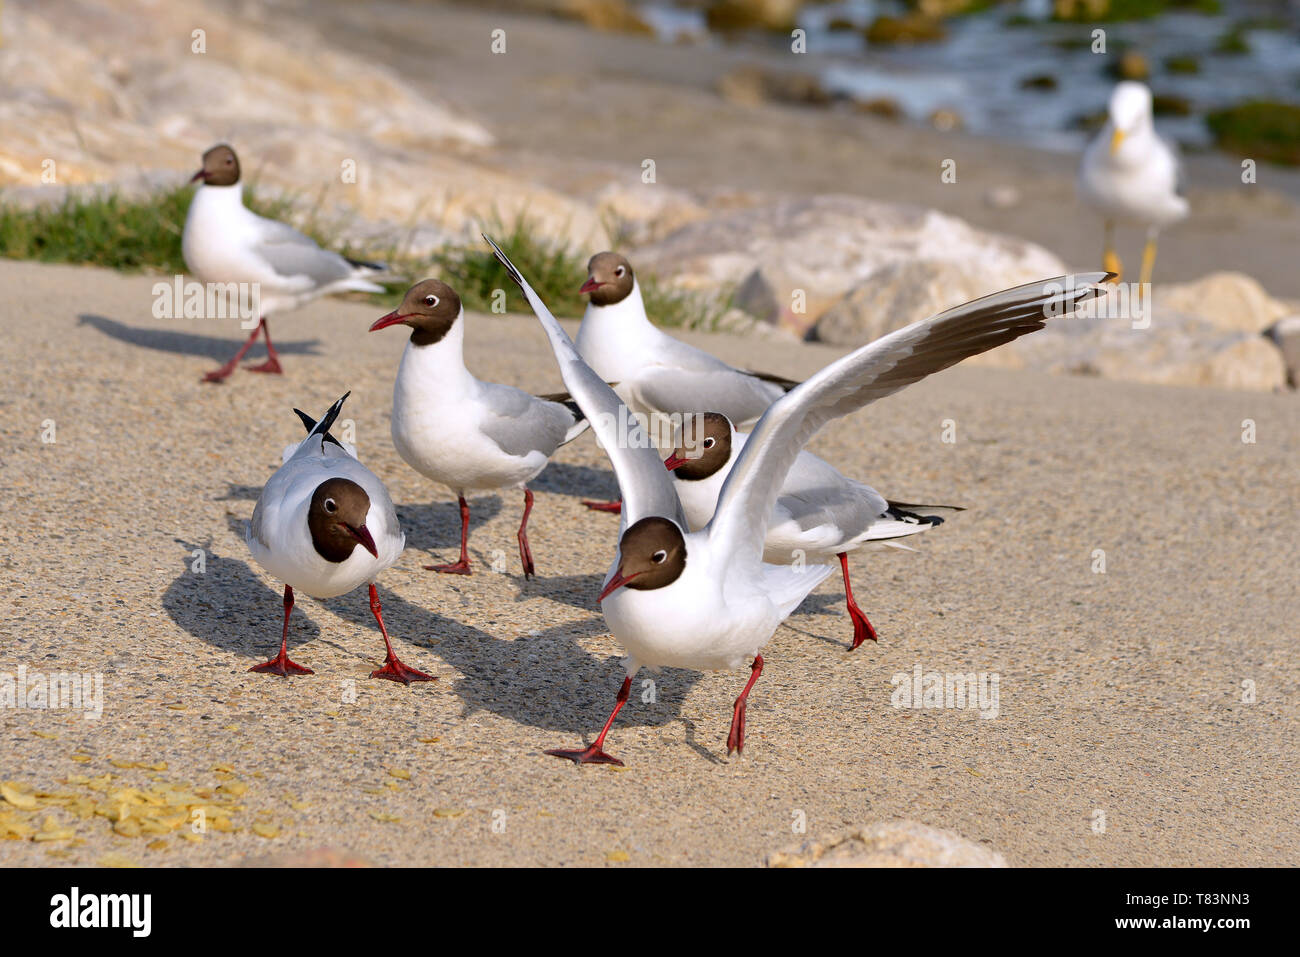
x=1148 y=259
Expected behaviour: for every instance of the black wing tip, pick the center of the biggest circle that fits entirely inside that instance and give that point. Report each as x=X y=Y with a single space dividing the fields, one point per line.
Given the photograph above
x=504 y=261
x=327 y=420
x=903 y=512
x=777 y=380
x=365 y=264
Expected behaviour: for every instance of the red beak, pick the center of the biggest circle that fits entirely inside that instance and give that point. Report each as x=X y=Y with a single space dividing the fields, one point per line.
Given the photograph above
x=392 y=319
x=590 y=286
x=618 y=581
x=675 y=461
x=362 y=535
x=200 y=175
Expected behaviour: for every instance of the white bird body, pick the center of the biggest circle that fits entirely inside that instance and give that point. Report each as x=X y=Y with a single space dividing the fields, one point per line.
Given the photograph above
x=281 y=542
x=224 y=242
x=467 y=434
x=654 y=373
x=1137 y=184
x=715 y=616
x=459 y=431
x=325 y=524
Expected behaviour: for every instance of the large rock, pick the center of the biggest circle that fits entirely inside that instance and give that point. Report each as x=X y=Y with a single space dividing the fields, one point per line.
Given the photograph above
x=1227 y=300
x=816 y=249
x=108 y=89
x=1176 y=349
x=891 y=844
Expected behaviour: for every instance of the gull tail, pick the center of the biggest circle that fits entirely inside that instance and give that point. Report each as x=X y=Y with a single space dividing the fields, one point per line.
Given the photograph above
x=580 y=423
x=321 y=428
x=785 y=384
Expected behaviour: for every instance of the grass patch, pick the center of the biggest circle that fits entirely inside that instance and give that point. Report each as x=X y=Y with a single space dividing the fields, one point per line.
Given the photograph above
x=142 y=233
x=116 y=231
x=1259 y=129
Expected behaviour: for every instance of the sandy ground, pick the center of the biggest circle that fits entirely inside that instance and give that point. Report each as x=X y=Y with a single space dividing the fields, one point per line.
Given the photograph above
x=562 y=100
x=1119 y=692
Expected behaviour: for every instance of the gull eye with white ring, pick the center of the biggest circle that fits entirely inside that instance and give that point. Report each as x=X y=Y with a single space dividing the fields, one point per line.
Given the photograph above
x=659 y=557
x=431 y=300
x=619 y=271
x=331 y=506
x=708 y=443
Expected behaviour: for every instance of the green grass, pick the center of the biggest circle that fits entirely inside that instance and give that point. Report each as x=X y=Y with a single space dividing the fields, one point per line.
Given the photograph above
x=1259 y=129
x=127 y=233
x=143 y=233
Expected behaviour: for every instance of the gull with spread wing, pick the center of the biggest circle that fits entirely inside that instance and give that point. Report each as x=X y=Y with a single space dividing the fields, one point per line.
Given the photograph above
x=707 y=600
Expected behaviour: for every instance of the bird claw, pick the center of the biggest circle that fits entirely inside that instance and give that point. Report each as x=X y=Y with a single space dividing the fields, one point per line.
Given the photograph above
x=281 y=666
x=589 y=755
x=394 y=670
x=455 y=568
x=615 y=507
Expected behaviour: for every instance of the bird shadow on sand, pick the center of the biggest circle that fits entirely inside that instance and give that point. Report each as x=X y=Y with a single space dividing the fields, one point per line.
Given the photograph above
x=546 y=681
x=436 y=526
x=579 y=481
x=218 y=348
x=227 y=605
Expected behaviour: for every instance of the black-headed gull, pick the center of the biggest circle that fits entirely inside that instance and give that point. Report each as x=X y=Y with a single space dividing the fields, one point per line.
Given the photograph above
x=459 y=431
x=706 y=599
x=1130 y=175
x=652 y=372
x=226 y=242
x=820 y=516
x=324 y=524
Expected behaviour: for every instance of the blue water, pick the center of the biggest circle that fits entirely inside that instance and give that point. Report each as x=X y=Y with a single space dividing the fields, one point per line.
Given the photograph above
x=978 y=70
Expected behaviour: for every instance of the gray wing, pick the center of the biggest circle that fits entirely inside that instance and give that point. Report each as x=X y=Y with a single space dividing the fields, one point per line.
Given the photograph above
x=872 y=372
x=645 y=484
x=521 y=423
x=739 y=396
x=291 y=255
x=815 y=493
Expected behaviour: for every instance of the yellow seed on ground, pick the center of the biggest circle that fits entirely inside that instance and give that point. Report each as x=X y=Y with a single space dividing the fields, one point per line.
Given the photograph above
x=617 y=857
x=448 y=811
x=400 y=773
x=116 y=860
x=263 y=829
x=16 y=797
x=159 y=845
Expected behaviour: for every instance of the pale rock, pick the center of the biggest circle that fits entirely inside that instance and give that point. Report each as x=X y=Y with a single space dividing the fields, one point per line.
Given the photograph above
x=890 y=844
x=1227 y=300
x=811 y=251
x=1176 y=349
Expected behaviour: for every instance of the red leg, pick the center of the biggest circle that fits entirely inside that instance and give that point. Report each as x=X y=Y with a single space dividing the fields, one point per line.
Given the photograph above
x=862 y=629
x=218 y=375
x=272 y=363
x=526 y=553
x=393 y=669
x=736 y=736
x=280 y=664
x=460 y=567
x=594 y=753
x=615 y=507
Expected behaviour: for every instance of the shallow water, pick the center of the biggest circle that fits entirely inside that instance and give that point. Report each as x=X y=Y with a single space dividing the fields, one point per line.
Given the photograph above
x=979 y=69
